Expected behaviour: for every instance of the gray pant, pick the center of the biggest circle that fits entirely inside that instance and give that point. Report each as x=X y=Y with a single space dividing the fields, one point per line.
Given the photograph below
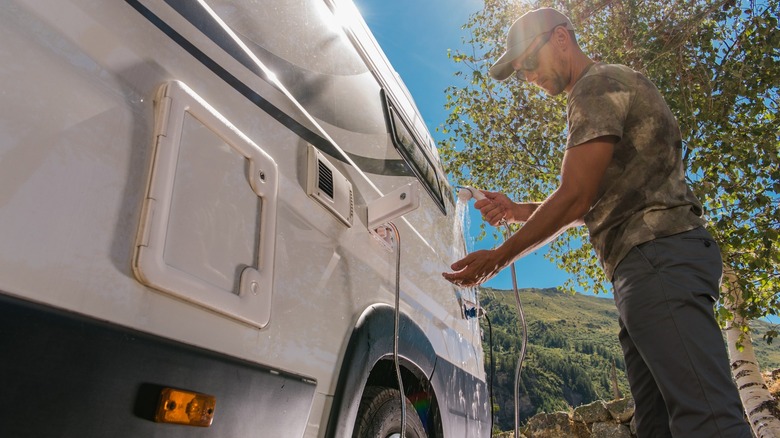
x=676 y=360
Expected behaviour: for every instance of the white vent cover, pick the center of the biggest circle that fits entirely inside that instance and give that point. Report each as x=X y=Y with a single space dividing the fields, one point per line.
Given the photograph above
x=330 y=187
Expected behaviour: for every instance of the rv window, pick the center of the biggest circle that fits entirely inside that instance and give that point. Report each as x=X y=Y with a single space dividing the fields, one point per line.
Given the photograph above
x=413 y=153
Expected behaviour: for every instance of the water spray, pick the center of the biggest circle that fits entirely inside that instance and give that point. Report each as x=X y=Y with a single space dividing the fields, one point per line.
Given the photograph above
x=465 y=194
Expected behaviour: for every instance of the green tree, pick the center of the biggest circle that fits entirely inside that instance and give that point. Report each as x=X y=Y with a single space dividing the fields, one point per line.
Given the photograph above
x=718 y=65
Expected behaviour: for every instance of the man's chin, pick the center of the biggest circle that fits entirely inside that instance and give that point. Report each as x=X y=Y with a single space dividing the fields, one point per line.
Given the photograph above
x=543 y=85
x=552 y=91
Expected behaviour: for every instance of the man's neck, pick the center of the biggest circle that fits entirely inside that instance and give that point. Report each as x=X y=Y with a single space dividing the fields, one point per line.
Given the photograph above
x=579 y=65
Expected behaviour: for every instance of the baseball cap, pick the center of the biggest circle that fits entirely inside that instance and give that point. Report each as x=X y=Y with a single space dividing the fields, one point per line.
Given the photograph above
x=522 y=33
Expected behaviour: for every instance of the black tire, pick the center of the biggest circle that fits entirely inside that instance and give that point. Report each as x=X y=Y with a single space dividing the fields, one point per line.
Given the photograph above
x=379 y=415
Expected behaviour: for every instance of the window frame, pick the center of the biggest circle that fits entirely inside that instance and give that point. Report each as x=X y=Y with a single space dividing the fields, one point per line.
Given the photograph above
x=433 y=186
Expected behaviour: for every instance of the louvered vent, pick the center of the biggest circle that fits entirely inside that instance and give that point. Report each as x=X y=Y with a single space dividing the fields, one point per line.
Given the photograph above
x=329 y=187
x=325 y=180
x=351 y=205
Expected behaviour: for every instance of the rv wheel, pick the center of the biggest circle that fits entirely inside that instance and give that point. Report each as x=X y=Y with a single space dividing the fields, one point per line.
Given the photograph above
x=379 y=415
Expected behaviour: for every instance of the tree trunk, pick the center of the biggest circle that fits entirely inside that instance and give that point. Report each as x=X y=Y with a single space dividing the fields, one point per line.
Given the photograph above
x=761 y=408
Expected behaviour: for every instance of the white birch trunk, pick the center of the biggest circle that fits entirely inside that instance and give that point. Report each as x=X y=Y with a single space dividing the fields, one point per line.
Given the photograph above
x=761 y=408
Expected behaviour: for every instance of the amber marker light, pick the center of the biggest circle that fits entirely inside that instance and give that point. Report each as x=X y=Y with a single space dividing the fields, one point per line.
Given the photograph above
x=185 y=407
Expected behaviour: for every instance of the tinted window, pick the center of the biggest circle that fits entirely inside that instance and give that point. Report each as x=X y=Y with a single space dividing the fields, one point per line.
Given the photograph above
x=412 y=151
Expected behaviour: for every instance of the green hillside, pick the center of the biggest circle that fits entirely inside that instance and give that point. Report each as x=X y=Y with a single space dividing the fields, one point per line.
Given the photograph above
x=572 y=351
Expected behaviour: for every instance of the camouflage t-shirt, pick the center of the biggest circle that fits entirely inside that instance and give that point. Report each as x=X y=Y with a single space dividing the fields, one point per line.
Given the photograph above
x=643 y=195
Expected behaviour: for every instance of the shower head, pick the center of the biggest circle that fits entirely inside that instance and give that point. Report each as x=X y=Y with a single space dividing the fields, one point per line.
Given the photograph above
x=467 y=193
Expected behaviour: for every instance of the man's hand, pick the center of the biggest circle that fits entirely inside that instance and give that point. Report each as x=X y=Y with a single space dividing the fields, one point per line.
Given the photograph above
x=497 y=207
x=476 y=268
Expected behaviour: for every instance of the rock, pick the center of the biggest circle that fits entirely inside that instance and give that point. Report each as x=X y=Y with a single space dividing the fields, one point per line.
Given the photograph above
x=555 y=425
x=599 y=419
x=622 y=410
x=592 y=413
x=772 y=380
x=610 y=430
x=581 y=430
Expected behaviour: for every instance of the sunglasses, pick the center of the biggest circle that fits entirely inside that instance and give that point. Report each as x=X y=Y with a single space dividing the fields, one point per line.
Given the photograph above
x=531 y=62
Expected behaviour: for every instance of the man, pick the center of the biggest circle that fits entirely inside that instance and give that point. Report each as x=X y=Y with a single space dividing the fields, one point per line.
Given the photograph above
x=622 y=176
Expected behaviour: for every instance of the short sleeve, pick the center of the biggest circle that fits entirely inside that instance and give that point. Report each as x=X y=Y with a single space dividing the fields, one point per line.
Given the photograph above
x=597 y=106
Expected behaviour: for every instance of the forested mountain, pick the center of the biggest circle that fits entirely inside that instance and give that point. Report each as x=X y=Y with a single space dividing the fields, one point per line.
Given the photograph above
x=571 y=354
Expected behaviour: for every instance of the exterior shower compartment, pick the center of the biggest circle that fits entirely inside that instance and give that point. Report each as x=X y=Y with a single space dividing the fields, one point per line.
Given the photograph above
x=185 y=189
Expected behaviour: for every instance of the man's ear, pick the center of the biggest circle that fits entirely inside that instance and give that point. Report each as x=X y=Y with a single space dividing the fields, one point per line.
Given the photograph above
x=561 y=38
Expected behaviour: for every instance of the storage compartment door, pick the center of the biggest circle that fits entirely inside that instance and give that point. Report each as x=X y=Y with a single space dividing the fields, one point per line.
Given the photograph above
x=208 y=224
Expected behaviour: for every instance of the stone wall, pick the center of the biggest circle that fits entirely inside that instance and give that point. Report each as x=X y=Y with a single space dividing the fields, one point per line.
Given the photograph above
x=597 y=420
x=601 y=419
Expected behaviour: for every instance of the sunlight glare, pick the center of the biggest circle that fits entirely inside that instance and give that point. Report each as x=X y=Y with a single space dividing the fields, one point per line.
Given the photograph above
x=346 y=15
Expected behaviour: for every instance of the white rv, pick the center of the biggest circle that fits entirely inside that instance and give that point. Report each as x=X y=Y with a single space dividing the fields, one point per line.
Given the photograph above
x=197 y=203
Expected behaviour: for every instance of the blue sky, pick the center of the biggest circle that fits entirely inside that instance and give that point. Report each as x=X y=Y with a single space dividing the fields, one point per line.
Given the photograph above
x=415 y=36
